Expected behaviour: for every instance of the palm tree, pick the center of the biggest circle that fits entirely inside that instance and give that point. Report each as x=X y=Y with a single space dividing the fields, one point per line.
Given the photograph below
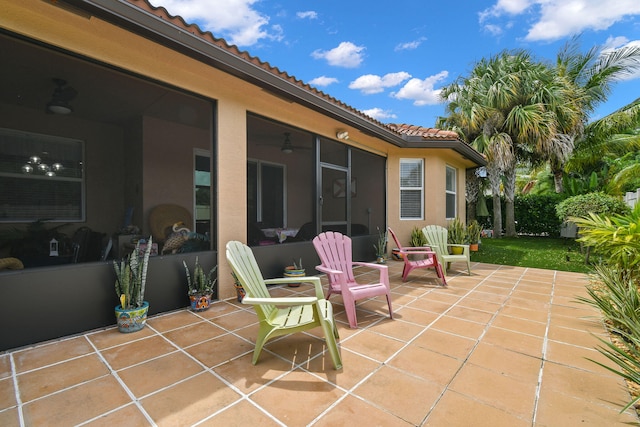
x=592 y=75
x=502 y=110
x=609 y=140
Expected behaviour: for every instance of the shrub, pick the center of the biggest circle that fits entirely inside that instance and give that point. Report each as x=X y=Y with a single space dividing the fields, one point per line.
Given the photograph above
x=584 y=204
x=536 y=214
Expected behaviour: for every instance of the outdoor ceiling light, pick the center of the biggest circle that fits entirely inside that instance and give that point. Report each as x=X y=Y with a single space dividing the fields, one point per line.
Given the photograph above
x=59 y=108
x=61 y=97
x=287 y=147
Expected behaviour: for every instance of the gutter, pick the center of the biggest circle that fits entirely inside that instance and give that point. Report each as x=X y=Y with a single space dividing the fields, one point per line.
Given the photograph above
x=139 y=21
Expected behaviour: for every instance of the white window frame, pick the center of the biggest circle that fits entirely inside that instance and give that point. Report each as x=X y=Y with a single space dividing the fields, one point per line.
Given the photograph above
x=449 y=192
x=419 y=188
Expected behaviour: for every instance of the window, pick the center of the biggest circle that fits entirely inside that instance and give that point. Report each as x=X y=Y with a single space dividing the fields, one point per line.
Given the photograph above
x=202 y=188
x=451 y=192
x=411 y=189
x=266 y=194
x=41 y=177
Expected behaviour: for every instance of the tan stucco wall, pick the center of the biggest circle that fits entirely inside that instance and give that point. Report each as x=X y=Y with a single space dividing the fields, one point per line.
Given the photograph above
x=97 y=39
x=434 y=189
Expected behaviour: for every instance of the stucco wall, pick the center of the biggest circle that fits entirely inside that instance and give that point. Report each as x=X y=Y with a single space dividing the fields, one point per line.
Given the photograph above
x=97 y=39
x=434 y=190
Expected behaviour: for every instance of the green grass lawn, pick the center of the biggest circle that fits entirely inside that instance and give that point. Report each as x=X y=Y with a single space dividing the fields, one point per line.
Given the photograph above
x=537 y=252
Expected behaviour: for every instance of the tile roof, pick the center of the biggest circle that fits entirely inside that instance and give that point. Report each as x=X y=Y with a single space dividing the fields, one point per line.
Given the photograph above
x=194 y=29
x=403 y=129
x=425 y=133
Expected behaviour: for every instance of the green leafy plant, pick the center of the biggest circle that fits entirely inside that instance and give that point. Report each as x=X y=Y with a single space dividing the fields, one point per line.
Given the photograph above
x=131 y=277
x=297 y=265
x=616 y=295
x=381 y=245
x=617 y=237
x=473 y=231
x=456 y=232
x=200 y=283
x=417 y=239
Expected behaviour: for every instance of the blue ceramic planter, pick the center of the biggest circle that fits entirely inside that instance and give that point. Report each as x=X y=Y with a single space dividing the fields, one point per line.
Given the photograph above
x=132 y=320
x=200 y=302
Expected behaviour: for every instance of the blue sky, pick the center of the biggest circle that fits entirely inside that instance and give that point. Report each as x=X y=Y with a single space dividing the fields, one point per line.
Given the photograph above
x=390 y=59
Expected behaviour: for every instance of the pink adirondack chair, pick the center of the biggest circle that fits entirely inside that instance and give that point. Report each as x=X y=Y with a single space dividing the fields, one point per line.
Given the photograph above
x=334 y=250
x=431 y=260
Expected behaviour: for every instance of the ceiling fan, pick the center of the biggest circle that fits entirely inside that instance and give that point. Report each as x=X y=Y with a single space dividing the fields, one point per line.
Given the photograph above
x=62 y=95
x=287 y=146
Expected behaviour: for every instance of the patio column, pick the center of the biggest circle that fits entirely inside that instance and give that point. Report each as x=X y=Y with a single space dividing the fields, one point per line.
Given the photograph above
x=232 y=186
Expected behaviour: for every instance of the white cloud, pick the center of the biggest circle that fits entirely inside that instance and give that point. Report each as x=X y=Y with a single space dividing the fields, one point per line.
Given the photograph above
x=410 y=45
x=371 y=83
x=560 y=18
x=235 y=20
x=346 y=55
x=310 y=14
x=323 y=81
x=509 y=7
x=495 y=30
x=615 y=42
x=422 y=92
x=379 y=114
x=556 y=19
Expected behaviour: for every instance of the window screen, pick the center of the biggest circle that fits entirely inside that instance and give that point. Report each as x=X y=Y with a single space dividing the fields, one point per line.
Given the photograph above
x=41 y=177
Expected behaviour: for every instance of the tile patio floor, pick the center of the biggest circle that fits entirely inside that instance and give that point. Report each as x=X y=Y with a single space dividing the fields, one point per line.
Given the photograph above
x=503 y=347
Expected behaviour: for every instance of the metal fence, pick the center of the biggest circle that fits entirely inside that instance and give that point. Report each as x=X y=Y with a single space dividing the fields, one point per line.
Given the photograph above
x=631 y=197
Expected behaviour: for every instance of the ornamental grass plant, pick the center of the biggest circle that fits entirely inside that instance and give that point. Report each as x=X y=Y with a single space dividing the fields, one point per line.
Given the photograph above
x=131 y=276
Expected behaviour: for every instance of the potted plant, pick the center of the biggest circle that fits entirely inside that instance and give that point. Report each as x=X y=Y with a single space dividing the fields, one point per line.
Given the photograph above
x=456 y=235
x=417 y=240
x=473 y=234
x=295 y=270
x=131 y=279
x=381 y=247
x=240 y=292
x=201 y=286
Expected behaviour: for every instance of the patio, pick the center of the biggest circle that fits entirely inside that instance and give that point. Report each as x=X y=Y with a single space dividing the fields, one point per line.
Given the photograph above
x=503 y=347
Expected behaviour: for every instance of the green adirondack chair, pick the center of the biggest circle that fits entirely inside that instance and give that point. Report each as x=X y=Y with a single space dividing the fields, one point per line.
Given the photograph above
x=437 y=238
x=282 y=316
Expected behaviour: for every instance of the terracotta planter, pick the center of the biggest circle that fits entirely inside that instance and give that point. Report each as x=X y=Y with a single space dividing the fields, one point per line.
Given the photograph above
x=131 y=320
x=473 y=247
x=291 y=271
x=200 y=302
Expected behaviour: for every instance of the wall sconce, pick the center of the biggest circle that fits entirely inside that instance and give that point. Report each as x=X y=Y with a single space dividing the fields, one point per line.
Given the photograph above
x=342 y=134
